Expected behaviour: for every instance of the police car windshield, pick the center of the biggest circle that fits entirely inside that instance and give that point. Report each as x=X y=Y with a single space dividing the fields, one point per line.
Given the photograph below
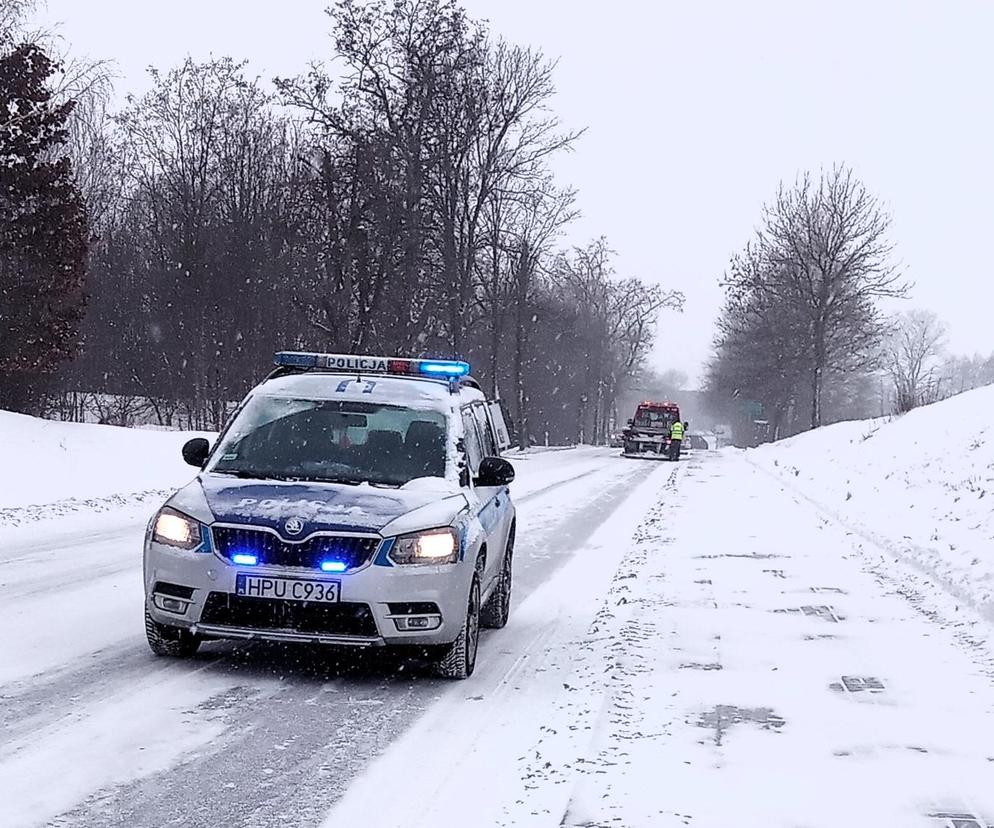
x=333 y=441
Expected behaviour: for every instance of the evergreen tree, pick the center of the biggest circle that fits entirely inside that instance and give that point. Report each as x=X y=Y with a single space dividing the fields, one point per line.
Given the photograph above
x=43 y=230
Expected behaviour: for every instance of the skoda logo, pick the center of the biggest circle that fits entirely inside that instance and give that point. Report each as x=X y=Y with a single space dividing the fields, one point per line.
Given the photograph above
x=294 y=526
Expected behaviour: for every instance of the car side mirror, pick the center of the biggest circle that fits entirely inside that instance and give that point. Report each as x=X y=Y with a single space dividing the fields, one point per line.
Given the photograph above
x=195 y=451
x=494 y=471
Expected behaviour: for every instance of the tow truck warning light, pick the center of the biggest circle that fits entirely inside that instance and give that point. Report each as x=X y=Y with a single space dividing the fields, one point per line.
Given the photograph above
x=372 y=364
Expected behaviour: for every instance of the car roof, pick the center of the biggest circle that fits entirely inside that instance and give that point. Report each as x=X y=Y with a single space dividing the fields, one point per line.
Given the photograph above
x=411 y=392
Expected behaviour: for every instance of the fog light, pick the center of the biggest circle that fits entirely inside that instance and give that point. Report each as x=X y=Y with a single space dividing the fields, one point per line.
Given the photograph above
x=408 y=623
x=164 y=602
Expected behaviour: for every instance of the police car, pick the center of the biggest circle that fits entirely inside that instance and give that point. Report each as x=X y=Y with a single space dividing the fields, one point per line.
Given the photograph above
x=350 y=500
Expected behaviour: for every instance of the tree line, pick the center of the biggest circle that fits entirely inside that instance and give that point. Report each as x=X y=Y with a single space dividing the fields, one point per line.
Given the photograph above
x=404 y=204
x=801 y=325
x=802 y=338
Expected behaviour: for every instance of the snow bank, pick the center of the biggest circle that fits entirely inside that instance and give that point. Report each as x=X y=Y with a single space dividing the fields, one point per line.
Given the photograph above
x=921 y=485
x=45 y=462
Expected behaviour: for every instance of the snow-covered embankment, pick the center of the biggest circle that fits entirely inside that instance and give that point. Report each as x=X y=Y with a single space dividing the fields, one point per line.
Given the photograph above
x=51 y=469
x=921 y=486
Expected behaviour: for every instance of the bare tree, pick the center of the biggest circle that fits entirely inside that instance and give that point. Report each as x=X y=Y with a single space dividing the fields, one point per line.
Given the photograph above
x=400 y=201
x=961 y=373
x=543 y=211
x=615 y=321
x=95 y=153
x=13 y=14
x=801 y=322
x=826 y=257
x=913 y=354
x=73 y=78
x=502 y=143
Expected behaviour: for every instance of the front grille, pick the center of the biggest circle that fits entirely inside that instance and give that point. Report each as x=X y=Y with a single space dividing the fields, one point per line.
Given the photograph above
x=227 y=610
x=271 y=550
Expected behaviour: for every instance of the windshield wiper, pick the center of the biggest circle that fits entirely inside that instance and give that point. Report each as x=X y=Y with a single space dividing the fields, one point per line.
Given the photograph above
x=248 y=474
x=348 y=481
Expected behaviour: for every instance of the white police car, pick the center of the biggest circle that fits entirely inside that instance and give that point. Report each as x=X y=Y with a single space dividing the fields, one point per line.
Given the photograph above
x=350 y=500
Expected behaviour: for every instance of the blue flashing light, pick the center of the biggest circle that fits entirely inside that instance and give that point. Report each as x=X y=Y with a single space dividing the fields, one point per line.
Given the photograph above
x=244 y=560
x=333 y=566
x=445 y=368
x=296 y=359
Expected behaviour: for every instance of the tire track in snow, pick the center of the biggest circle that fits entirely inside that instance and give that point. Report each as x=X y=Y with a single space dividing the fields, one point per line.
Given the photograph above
x=933 y=596
x=477 y=740
x=288 y=754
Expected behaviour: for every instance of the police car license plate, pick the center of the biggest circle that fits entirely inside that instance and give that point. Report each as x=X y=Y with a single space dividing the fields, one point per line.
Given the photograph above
x=292 y=589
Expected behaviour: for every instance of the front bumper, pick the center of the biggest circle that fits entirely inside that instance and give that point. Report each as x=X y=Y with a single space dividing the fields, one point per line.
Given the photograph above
x=376 y=607
x=646 y=443
x=253 y=634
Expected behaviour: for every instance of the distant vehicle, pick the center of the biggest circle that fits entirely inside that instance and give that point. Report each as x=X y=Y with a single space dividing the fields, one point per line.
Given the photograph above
x=357 y=501
x=616 y=440
x=695 y=442
x=648 y=432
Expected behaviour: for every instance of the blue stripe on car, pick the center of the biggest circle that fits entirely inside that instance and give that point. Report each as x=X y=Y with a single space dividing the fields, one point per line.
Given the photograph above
x=383 y=556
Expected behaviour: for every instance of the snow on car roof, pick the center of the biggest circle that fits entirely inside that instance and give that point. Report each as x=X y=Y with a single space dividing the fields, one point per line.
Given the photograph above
x=416 y=392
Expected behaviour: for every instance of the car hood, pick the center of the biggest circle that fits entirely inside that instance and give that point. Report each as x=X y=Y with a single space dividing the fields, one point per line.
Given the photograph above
x=321 y=506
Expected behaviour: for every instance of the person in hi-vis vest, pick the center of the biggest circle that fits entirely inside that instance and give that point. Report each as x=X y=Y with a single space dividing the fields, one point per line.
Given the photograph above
x=676 y=439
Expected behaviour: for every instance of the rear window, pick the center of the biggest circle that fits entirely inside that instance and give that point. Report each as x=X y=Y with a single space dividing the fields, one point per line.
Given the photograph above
x=655 y=417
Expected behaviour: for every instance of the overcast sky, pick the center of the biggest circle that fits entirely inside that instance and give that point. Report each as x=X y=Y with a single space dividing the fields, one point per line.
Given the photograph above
x=695 y=111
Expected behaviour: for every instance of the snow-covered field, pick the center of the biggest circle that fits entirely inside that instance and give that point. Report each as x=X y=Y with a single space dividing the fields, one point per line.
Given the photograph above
x=777 y=637
x=52 y=469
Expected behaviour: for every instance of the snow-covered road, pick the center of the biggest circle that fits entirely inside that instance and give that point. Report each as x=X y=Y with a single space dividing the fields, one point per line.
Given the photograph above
x=96 y=731
x=740 y=659
x=698 y=644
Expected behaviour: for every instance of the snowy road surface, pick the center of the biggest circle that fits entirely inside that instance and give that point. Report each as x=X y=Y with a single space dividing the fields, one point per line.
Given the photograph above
x=96 y=731
x=695 y=644
x=740 y=660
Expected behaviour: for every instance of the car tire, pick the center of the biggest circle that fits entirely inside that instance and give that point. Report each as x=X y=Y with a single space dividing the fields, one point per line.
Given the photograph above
x=458 y=659
x=174 y=642
x=498 y=607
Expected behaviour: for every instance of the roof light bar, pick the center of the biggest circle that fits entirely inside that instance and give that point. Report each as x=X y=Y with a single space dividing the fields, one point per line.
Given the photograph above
x=442 y=368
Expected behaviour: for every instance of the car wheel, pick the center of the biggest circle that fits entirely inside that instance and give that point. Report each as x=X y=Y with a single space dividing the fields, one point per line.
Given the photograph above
x=498 y=607
x=458 y=659
x=164 y=640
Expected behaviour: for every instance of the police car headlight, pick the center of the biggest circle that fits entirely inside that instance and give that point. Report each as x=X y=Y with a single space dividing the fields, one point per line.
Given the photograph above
x=176 y=529
x=437 y=546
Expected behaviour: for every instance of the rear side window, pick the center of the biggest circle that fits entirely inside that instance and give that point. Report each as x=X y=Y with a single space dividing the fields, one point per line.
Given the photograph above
x=471 y=440
x=489 y=444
